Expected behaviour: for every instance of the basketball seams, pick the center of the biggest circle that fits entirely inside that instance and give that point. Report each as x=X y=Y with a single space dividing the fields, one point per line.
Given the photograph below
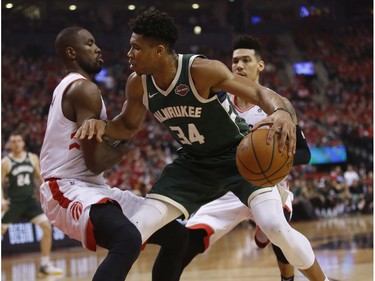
x=263 y=171
x=271 y=165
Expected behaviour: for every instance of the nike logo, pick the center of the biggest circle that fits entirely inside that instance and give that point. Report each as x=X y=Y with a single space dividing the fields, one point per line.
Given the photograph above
x=152 y=95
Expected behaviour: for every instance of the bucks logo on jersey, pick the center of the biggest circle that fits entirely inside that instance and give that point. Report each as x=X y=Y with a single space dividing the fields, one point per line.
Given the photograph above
x=201 y=126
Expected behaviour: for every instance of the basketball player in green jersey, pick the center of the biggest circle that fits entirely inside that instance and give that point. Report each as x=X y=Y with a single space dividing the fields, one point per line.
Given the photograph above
x=19 y=170
x=179 y=91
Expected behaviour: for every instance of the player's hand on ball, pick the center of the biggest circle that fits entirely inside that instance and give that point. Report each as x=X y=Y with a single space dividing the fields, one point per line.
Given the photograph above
x=260 y=163
x=91 y=127
x=282 y=123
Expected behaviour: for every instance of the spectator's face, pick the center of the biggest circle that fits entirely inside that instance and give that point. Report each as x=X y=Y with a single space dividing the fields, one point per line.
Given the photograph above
x=88 y=54
x=16 y=144
x=245 y=63
x=144 y=54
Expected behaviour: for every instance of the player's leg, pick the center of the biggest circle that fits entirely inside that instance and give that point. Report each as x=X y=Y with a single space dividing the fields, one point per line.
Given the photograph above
x=46 y=241
x=197 y=245
x=286 y=269
x=95 y=215
x=204 y=228
x=37 y=216
x=4 y=228
x=174 y=240
x=212 y=221
x=14 y=213
x=295 y=246
x=114 y=231
x=152 y=215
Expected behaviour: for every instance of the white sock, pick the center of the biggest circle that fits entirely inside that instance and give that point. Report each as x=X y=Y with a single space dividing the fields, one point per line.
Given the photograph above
x=44 y=260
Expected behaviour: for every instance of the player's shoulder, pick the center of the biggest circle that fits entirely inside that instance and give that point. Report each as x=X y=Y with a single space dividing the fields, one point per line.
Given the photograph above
x=207 y=68
x=34 y=158
x=201 y=61
x=5 y=159
x=83 y=84
x=6 y=163
x=134 y=85
x=134 y=77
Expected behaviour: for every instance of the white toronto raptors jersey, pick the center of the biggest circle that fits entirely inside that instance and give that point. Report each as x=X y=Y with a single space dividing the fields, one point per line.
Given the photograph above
x=61 y=155
x=252 y=115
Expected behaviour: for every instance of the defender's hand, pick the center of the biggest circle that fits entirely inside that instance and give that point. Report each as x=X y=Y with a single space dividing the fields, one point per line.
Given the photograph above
x=90 y=128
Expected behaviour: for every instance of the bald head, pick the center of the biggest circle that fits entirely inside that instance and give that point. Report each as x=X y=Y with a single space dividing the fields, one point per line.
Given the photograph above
x=66 y=38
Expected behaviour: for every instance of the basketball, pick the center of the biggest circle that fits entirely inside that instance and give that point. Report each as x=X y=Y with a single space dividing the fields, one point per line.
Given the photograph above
x=262 y=164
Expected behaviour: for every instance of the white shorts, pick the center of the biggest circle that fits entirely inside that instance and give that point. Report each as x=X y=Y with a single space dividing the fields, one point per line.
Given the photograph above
x=67 y=203
x=222 y=215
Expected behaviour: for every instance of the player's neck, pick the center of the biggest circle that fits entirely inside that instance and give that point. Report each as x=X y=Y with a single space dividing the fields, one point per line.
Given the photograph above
x=166 y=72
x=18 y=155
x=241 y=103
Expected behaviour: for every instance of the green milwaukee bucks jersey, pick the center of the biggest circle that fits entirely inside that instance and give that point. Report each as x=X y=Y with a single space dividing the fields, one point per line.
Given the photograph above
x=202 y=126
x=21 y=179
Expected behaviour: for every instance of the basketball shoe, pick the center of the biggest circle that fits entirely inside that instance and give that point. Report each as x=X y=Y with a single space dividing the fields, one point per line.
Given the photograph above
x=50 y=269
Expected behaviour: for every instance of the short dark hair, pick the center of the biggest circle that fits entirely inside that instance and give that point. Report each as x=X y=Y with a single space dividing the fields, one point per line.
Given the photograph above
x=248 y=42
x=17 y=133
x=157 y=25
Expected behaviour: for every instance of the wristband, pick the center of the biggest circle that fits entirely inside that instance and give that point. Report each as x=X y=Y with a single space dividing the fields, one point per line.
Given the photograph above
x=283 y=109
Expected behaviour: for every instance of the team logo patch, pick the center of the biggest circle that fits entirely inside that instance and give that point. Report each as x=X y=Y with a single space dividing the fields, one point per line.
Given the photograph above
x=76 y=210
x=182 y=90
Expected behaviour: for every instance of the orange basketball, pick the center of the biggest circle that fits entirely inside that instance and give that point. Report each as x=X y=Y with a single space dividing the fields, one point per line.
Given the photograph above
x=262 y=164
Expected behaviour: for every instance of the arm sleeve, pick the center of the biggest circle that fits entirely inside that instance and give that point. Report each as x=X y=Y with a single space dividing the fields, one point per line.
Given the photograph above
x=303 y=154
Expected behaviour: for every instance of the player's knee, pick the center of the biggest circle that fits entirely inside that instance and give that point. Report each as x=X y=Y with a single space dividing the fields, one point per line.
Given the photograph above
x=46 y=227
x=180 y=237
x=271 y=228
x=4 y=228
x=126 y=241
x=276 y=231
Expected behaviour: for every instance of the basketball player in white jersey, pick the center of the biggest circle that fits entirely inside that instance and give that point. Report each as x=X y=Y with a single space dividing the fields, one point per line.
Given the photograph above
x=215 y=219
x=74 y=195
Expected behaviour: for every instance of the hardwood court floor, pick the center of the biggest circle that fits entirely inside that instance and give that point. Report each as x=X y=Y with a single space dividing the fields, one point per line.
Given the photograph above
x=344 y=248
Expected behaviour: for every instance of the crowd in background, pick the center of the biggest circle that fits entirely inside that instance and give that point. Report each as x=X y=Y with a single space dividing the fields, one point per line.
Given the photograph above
x=334 y=106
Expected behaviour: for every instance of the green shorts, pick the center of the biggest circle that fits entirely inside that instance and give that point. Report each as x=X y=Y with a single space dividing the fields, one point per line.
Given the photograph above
x=27 y=209
x=192 y=181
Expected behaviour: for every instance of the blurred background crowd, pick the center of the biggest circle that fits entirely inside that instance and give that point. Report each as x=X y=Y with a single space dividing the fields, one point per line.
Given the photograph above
x=332 y=91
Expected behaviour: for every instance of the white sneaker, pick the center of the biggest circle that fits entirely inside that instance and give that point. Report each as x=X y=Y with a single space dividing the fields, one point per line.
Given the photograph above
x=50 y=269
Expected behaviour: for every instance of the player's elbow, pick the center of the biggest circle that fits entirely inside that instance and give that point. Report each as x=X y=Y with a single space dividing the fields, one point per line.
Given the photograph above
x=95 y=169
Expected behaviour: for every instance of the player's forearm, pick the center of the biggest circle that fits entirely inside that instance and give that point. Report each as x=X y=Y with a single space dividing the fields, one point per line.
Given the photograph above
x=117 y=129
x=269 y=100
x=102 y=156
x=253 y=92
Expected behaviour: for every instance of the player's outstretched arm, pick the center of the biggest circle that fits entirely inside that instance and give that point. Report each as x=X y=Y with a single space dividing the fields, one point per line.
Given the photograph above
x=125 y=125
x=208 y=74
x=83 y=101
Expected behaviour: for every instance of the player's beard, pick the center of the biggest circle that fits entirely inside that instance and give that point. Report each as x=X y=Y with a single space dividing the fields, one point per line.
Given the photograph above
x=92 y=68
